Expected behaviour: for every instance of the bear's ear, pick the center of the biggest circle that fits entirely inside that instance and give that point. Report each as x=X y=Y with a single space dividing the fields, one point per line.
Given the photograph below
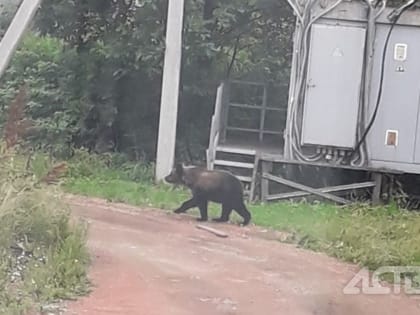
x=179 y=169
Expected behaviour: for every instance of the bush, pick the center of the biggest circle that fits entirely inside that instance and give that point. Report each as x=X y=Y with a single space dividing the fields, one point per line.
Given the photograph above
x=108 y=166
x=43 y=256
x=47 y=65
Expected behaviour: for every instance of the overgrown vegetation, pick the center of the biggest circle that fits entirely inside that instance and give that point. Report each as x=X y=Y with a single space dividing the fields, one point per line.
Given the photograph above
x=43 y=257
x=361 y=234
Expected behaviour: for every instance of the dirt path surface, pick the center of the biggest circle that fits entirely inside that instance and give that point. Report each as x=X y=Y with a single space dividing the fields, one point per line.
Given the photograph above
x=153 y=263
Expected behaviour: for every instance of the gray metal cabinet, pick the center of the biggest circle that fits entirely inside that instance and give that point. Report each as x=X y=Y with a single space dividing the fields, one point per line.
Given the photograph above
x=395 y=134
x=333 y=85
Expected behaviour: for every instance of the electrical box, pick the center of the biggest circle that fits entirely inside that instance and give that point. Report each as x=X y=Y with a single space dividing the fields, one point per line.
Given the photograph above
x=335 y=66
x=341 y=81
x=394 y=140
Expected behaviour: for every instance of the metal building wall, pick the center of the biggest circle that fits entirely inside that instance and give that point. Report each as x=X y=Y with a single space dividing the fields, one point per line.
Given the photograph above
x=394 y=140
x=334 y=107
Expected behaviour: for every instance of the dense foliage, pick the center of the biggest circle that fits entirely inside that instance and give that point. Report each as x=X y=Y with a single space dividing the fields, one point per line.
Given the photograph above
x=94 y=69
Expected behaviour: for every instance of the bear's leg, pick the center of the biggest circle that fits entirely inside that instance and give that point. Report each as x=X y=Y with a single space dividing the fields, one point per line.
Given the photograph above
x=187 y=205
x=226 y=211
x=244 y=213
x=203 y=204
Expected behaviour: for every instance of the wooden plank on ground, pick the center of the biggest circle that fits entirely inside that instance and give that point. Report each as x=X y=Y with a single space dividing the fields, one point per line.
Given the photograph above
x=340 y=188
x=212 y=230
x=311 y=190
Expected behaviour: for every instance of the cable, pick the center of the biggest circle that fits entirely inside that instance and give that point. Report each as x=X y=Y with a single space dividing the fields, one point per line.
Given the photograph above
x=371 y=33
x=394 y=16
x=382 y=8
x=296 y=10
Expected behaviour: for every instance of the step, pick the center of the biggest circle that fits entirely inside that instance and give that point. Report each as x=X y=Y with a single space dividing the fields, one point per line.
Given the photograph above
x=245 y=179
x=227 y=149
x=234 y=164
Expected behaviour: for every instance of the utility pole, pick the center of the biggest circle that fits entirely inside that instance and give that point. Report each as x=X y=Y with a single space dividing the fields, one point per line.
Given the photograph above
x=16 y=30
x=170 y=89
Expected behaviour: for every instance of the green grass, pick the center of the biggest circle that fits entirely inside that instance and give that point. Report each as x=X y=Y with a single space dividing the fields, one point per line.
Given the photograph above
x=118 y=190
x=360 y=234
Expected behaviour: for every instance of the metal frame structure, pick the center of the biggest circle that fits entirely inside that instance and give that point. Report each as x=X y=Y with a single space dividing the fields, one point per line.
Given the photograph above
x=262 y=109
x=241 y=156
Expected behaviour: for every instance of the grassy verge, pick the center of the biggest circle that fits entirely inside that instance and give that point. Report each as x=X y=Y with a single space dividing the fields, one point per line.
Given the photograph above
x=43 y=257
x=360 y=234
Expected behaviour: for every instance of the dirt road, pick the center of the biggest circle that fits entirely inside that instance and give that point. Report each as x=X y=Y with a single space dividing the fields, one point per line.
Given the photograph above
x=154 y=263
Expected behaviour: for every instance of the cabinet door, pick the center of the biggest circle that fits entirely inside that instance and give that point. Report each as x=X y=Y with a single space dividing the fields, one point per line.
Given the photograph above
x=333 y=87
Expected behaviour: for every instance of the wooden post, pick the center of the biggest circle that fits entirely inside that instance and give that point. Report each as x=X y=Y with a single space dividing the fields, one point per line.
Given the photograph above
x=16 y=30
x=170 y=89
x=377 y=190
x=266 y=167
x=251 y=196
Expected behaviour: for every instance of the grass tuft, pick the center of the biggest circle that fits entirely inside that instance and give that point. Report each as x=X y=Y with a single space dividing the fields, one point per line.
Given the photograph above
x=43 y=257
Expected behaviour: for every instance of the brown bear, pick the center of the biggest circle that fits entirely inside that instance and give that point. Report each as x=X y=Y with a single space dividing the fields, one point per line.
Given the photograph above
x=216 y=186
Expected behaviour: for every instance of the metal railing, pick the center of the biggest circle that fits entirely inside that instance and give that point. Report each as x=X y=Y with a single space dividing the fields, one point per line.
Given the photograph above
x=215 y=129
